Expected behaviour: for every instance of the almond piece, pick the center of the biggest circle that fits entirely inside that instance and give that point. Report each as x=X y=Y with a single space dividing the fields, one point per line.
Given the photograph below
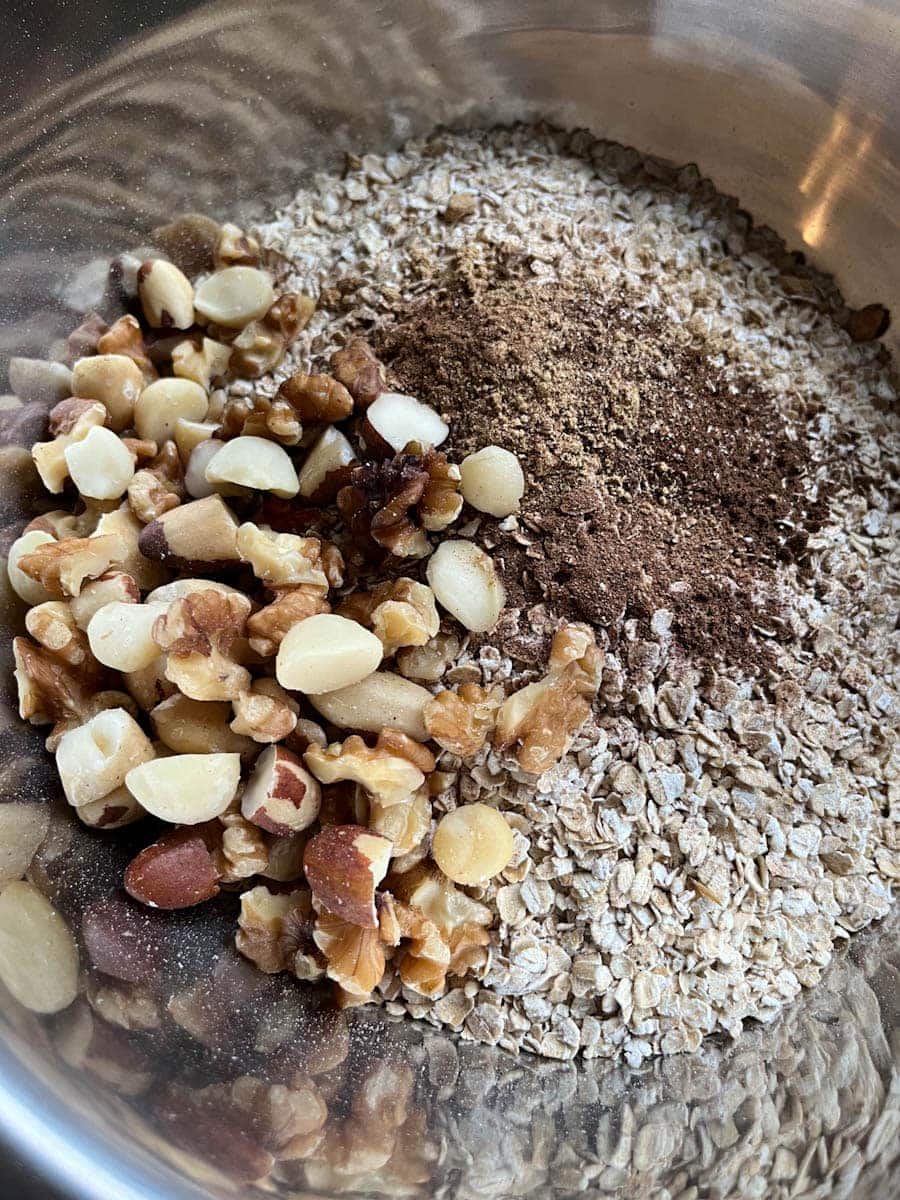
x=381 y=701
x=344 y=865
x=256 y=463
x=178 y=871
x=281 y=795
x=38 y=955
x=326 y=652
x=167 y=297
x=465 y=582
x=186 y=789
x=202 y=533
x=399 y=420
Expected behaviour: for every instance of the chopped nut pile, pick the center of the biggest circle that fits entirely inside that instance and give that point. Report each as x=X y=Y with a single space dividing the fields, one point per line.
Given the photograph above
x=229 y=578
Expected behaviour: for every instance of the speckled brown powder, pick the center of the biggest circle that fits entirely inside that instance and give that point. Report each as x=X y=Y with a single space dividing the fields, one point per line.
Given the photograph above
x=655 y=479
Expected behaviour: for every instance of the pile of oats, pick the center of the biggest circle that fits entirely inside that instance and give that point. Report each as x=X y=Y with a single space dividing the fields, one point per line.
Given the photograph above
x=695 y=857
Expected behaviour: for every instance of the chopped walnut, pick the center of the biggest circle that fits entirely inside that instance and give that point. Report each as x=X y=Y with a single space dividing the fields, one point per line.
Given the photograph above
x=125 y=337
x=355 y=957
x=243 y=852
x=62 y=567
x=74 y=418
x=257 y=416
x=265 y=713
x=158 y=487
x=405 y=824
x=357 y=368
x=378 y=502
x=289 y=1119
x=53 y=626
x=49 y=690
x=199 y=633
x=142 y=450
x=384 y=1096
x=316 y=397
x=441 y=901
x=273 y=927
x=286 y=560
x=429 y=663
x=441 y=501
x=543 y=717
x=462 y=721
x=391 y=770
x=268 y=627
x=67 y=414
x=424 y=959
x=400 y=612
x=95 y=703
x=127 y=1006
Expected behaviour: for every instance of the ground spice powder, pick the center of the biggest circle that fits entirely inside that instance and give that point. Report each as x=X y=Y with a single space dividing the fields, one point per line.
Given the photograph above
x=656 y=478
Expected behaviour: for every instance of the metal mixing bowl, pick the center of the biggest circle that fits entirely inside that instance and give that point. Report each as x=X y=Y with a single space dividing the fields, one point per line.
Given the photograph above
x=117 y=116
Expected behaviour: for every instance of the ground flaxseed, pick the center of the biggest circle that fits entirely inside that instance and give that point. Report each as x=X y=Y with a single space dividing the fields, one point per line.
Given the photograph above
x=655 y=479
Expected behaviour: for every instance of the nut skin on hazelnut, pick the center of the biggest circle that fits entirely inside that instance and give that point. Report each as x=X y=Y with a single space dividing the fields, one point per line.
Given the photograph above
x=344 y=864
x=178 y=871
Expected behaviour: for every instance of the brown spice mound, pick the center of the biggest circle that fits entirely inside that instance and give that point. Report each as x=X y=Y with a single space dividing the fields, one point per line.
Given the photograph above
x=654 y=479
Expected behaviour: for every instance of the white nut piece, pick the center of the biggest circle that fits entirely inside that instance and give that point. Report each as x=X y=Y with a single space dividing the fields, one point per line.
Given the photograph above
x=50 y=457
x=23 y=585
x=186 y=789
x=114 y=380
x=189 y=434
x=123 y=525
x=465 y=582
x=166 y=294
x=198 y=727
x=254 y=462
x=234 y=296
x=94 y=759
x=203 y=365
x=120 y=635
x=100 y=465
x=381 y=701
x=400 y=419
x=472 y=844
x=162 y=403
x=195 y=482
x=179 y=588
x=492 y=481
x=331 y=452
x=281 y=796
x=116 y=587
x=326 y=652
x=281 y=559
x=23 y=826
x=38 y=955
x=114 y=811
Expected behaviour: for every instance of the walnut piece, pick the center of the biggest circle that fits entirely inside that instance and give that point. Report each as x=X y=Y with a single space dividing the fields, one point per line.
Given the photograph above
x=198 y=633
x=425 y=958
x=257 y=416
x=357 y=368
x=268 y=627
x=286 y=560
x=462 y=721
x=53 y=626
x=265 y=713
x=391 y=770
x=272 y=927
x=125 y=337
x=49 y=690
x=405 y=824
x=400 y=613
x=62 y=567
x=316 y=397
x=354 y=955
x=288 y=1119
x=543 y=717
x=378 y=504
x=243 y=852
x=441 y=501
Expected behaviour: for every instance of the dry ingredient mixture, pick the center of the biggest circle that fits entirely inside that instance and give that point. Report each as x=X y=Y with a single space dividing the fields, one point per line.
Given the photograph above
x=665 y=776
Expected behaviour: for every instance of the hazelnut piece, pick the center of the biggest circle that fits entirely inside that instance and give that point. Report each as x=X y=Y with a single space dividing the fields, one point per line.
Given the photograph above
x=465 y=582
x=472 y=844
x=492 y=481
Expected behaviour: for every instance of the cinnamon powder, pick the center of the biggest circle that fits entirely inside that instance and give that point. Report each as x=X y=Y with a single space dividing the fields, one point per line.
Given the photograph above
x=656 y=480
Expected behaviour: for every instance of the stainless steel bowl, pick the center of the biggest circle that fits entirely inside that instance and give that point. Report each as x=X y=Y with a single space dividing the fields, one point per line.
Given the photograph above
x=124 y=114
